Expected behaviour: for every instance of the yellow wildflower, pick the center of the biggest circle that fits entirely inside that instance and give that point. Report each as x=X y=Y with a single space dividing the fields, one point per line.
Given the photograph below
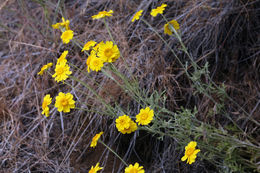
x=145 y=116
x=102 y=14
x=62 y=58
x=167 y=29
x=46 y=101
x=124 y=124
x=45 y=67
x=95 y=140
x=130 y=129
x=95 y=169
x=62 y=72
x=108 y=52
x=88 y=45
x=64 y=102
x=137 y=15
x=66 y=36
x=134 y=168
x=158 y=10
x=62 y=24
x=190 y=152
x=96 y=48
x=95 y=63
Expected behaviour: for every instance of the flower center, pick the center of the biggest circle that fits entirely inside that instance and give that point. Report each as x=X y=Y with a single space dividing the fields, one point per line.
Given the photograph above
x=190 y=151
x=108 y=52
x=96 y=63
x=64 y=102
x=60 y=71
x=144 y=116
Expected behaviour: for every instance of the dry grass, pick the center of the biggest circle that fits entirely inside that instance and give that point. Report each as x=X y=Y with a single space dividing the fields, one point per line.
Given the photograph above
x=224 y=33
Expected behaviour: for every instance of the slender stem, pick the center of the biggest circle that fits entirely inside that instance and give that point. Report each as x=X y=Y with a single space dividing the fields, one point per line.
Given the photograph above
x=110 y=149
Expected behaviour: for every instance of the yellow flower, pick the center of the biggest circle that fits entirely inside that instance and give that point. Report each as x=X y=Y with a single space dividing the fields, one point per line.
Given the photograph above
x=64 y=102
x=96 y=48
x=46 y=101
x=158 y=10
x=45 y=67
x=95 y=140
x=62 y=58
x=95 y=63
x=190 y=152
x=130 y=129
x=62 y=72
x=66 y=36
x=62 y=24
x=137 y=15
x=95 y=169
x=124 y=124
x=145 y=116
x=108 y=52
x=102 y=14
x=134 y=169
x=88 y=45
x=167 y=28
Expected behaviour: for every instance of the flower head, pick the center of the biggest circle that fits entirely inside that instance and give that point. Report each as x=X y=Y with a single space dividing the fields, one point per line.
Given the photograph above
x=45 y=67
x=62 y=72
x=64 y=102
x=137 y=15
x=108 y=52
x=124 y=124
x=102 y=14
x=95 y=140
x=63 y=24
x=45 y=105
x=190 y=152
x=134 y=168
x=88 y=45
x=95 y=169
x=95 y=63
x=62 y=58
x=145 y=116
x=158 y=10
x=66 y=36
x=167 y=28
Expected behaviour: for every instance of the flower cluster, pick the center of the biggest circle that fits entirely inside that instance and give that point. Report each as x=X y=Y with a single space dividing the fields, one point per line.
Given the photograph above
x=67 y=33
x=125 y=124
x=62 y=69
x=100 y=54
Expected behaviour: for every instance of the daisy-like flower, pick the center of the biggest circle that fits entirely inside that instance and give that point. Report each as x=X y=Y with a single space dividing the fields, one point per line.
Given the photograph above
x=102 y=14
x=124 y=124
x=137 y=15
x=134 y=168
x=88 y=45
x=45 y=67
x=45 y=105
x=167 y=28
x=95 y=63
x=190 y=152
x=63 y=24
x=145 y=116
x=130 y=129
x=108 y=52
x=95 y=140
x=95 y=169
x=64 y=102
x=66 y=36
x=62 y=58
x=62 y=72
x=158 y=10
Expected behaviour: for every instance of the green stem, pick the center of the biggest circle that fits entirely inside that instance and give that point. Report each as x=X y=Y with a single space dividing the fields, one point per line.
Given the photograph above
x=110 y=149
